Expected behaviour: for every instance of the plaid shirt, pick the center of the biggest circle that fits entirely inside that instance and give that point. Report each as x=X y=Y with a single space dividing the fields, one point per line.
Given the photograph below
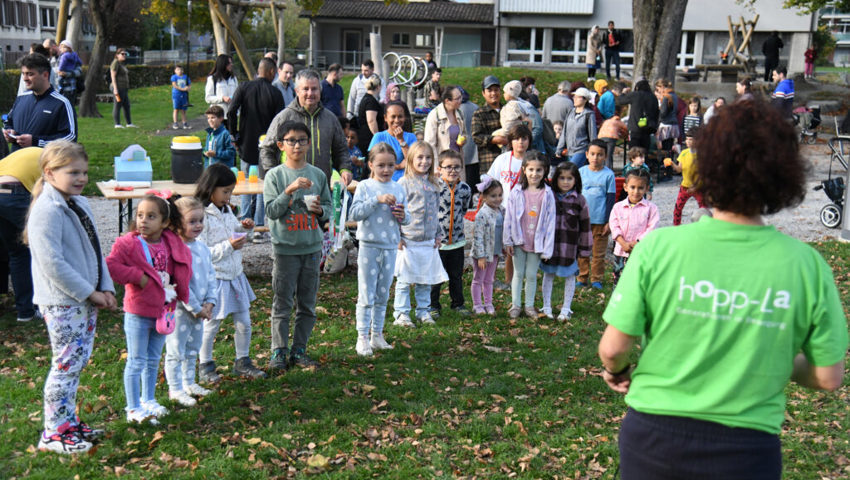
x=485 y=121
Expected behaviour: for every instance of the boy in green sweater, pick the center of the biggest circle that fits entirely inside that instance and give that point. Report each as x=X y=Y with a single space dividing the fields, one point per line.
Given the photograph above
x=298 y=202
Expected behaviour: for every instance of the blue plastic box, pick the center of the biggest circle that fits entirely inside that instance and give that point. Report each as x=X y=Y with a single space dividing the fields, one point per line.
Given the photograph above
x=133 y=170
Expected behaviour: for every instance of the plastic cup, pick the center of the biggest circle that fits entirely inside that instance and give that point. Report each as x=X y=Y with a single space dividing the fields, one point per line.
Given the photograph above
x=309 y=199
x=253 y=174
x=234 y=170
x=240 y=177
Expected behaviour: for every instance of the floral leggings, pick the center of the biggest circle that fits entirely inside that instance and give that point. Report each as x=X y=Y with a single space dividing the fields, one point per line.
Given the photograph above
x=71 y=330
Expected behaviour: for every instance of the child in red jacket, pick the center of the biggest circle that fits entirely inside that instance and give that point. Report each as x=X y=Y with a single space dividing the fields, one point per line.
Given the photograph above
x=155 y=266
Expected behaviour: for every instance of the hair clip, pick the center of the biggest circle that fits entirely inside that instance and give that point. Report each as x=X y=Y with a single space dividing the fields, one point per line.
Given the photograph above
x=486 y=180
x=163 y=194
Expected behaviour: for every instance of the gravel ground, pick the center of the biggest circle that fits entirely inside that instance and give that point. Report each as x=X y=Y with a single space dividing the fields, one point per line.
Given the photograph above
x=802 y=222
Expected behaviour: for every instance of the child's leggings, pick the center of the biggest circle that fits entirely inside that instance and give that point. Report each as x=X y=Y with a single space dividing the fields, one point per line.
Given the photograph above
x=144 y=351
x=569 y=291
x=684 y=195
x=375 y=267
x=482 y=283
x=241 y=340
x=71 y=331
x=181 y=349
x=525 y=267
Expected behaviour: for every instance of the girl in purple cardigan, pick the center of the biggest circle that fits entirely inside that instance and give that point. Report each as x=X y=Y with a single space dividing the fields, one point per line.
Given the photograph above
x=156 y=267
x=573 y=238
x=529 y=231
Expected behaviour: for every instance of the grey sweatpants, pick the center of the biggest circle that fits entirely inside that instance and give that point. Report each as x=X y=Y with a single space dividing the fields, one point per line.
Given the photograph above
x=294 y=277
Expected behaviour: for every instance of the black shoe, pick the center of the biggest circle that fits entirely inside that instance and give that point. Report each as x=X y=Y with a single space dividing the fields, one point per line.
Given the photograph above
x=206 y=373
x=462 y=311
x=244 y=367
x=278 y=363
x=435 y=313
x=300 y=359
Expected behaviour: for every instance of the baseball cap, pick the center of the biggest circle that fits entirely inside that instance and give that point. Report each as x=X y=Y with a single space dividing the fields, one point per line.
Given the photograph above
x=489 y=81
x=583 y=92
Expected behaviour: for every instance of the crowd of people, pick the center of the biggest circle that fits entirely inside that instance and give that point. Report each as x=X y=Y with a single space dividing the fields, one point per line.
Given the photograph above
x=538 y=185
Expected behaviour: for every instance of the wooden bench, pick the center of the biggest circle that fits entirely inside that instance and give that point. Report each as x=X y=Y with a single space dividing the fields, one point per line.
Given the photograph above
x=726 y=71
x=104 y=98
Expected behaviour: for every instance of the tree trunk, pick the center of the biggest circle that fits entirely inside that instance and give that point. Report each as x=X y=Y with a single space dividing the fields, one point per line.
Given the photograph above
x=100 y=15
x=62 y=20
x=658 y=31
x=75 y=25
x=238 y=42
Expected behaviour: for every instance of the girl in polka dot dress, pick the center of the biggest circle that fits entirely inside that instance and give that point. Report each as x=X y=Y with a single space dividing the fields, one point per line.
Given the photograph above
x=378 y=208
x=181 y=347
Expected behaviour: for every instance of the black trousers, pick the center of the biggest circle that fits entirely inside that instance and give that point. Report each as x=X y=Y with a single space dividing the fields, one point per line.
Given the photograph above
x=453 y=263
x=660 y=447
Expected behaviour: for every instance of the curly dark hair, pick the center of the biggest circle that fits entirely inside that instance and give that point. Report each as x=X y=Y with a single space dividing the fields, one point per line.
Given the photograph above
x=749 y=161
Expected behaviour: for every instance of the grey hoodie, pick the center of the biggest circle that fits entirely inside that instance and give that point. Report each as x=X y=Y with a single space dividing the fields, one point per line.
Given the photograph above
x=328 y=146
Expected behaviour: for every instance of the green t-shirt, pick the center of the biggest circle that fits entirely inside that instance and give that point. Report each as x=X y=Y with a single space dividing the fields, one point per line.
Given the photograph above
x=294 y=229
x=723 y=309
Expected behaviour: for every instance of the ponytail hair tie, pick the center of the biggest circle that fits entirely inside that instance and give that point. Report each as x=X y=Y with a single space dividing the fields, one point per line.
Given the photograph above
x=486 y=180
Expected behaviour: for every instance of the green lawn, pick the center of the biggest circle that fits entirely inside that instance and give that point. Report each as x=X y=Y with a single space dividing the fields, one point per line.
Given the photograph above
x=485 y=397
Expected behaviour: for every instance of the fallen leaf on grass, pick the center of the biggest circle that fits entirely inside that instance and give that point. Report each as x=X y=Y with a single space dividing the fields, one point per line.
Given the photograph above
x=367 y=388
x=156 y=437
x=376 y=456
x=253 y=441
x=318 y=461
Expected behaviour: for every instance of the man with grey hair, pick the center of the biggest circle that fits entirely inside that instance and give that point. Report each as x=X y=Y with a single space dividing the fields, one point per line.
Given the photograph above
x=556 y=107
x=328 y=147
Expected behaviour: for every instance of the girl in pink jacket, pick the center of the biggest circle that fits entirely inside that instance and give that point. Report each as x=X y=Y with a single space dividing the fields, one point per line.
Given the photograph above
x=631 y=219
x=155 y=266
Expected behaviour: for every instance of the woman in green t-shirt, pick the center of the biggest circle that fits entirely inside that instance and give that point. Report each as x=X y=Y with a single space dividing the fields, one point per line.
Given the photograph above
x=120 y=86
x=727 y=311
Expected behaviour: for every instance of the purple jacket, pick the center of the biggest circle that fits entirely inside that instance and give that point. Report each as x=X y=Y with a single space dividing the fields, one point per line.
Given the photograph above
x=573 y=237
x=544 y=238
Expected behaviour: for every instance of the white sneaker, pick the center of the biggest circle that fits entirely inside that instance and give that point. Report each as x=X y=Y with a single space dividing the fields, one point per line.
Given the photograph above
x=547 y=312
x=119 y=126
x=141 y=415
x=378 y=342
x=130 y=125
x=197 y=390
x=363 y=348
x=404 y=320
x=65 y=443
x=427 y=319
x=564 y=316
x=155 y=409
x=182 y=398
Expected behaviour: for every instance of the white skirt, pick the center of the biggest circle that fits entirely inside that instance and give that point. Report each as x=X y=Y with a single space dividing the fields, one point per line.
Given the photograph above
x=419 y=263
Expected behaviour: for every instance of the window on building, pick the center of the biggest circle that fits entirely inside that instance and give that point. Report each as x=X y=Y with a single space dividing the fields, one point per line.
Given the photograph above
x=564 y=41
x=686 y=55
x=401 y=39
x=23 y=14
x=33 y=15
x=9 y=13
x=525 y=45
x=48 y=17
x=424 y=40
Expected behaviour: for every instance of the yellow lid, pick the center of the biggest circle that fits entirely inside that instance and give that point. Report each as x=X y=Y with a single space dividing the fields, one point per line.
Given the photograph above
x=186 y=139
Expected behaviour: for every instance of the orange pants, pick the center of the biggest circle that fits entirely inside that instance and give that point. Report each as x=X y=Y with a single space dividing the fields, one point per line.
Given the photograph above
x=595 y=265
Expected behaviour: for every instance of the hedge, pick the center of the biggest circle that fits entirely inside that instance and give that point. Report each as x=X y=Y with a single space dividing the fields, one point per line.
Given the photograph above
x=140 y=76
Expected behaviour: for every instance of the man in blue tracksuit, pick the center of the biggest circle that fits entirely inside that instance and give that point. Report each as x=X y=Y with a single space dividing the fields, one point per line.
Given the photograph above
x=42 y=114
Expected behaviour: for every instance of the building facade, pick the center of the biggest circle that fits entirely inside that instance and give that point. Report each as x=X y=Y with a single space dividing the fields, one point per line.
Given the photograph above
x=24 y=22
x=536 y=33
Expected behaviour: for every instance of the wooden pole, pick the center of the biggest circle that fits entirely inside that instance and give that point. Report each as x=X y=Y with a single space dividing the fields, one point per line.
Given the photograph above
x=62 y=24
x=236 y=37
x=281 y=51
x=219 y=33
x=274 y=20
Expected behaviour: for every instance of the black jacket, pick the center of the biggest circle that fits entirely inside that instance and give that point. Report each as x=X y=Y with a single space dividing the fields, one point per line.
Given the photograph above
x=46 y=117
x=770 y=48
x=641 y=104
x=617 y=38
x=257 y=102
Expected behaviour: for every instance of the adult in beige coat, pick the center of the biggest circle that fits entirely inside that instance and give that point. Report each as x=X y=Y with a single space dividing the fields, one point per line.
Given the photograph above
x=444 y=127
x=594 y=49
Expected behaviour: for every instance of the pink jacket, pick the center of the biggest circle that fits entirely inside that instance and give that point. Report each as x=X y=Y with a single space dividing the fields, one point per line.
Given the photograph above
x=127 y=263
x=544 y=237
x=632 y=222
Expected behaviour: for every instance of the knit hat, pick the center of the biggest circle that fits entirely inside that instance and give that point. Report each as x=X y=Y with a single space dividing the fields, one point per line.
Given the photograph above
x=67 y=43
x=599 y=85
x=513 y=88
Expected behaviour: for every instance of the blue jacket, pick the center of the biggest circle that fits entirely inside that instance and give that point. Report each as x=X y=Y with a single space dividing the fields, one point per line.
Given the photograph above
x=219 y=140
x=46 y=117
